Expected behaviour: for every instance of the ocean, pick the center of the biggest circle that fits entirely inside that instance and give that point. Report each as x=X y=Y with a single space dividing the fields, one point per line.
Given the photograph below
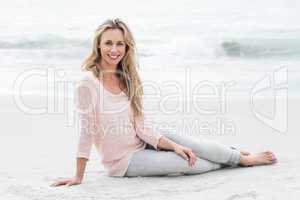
x=240 y=41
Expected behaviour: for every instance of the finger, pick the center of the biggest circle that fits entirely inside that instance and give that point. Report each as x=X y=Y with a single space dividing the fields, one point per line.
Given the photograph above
x=59 y=183
x=70 y=183
x=191 y=162
x=189 y=159
x=53 y=185
x=193 y=158
x=194 y=161
x=190 y=156
x=184 y=155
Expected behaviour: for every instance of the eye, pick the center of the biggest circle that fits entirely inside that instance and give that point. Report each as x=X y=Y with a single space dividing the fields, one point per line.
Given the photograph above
x=108 y=43
x=120 y=44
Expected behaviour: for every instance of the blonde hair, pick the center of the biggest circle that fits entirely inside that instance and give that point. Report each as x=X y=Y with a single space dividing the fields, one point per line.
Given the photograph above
x=127 y=74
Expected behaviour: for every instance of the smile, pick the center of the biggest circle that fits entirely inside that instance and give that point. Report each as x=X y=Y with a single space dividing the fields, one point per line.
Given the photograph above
x=113 y=57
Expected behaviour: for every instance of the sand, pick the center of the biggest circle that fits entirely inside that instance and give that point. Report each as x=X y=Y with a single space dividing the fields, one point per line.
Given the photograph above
x=37 y=149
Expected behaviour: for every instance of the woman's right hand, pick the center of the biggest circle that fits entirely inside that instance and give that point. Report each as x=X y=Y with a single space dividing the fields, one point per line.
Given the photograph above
x=67 y=182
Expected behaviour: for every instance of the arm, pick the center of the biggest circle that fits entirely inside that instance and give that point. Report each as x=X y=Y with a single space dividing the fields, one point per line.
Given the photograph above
x=80 y=168
x=77 y=179
x=85 y=112
x=158 y=141
x=184 y=152
x=146 y=133
x=165 y=143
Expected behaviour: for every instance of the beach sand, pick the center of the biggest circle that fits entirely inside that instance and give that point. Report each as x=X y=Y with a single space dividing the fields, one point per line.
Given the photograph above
x=37 y=149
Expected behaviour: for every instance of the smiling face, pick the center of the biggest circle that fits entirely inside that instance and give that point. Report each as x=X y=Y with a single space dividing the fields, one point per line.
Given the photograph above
x=112 y=47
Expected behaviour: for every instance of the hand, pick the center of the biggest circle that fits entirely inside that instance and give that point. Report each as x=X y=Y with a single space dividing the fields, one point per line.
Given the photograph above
x=187 y=154
x=67 y=182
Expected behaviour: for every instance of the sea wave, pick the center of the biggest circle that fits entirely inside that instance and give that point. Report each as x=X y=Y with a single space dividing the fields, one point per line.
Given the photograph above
x=255 y=48
x=212 y=48
x=44 y=42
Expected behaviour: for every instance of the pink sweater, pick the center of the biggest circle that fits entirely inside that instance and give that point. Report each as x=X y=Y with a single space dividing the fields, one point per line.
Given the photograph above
x=104 y=120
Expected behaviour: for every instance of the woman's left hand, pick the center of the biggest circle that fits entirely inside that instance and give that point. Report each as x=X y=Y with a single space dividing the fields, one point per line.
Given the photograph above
x=187 y=154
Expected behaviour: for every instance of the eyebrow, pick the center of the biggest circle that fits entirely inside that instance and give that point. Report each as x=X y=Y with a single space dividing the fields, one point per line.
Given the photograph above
x=117 y=41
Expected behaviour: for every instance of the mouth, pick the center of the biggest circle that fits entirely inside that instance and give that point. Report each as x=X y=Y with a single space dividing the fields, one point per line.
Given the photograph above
x=113 y=57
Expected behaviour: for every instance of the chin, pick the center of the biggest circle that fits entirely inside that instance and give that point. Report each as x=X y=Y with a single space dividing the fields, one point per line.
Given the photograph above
x=114 y=63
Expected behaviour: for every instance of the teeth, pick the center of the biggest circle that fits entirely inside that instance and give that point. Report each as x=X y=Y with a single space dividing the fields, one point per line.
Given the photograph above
x=113 y=57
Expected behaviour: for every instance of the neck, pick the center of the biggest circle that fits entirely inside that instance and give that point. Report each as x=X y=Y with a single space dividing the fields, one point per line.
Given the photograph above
x=108 y=71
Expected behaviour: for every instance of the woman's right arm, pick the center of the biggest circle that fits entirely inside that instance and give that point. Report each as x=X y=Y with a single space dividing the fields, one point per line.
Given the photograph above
x=77 y=179
x=83 y=103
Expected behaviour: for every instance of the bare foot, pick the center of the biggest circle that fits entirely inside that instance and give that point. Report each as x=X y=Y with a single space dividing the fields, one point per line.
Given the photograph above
x=262 y=158
x=244 y=153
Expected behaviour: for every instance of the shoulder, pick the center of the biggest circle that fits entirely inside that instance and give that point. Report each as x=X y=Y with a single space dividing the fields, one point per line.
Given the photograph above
x=86 y=76
x=86 y=85
x=86 y=79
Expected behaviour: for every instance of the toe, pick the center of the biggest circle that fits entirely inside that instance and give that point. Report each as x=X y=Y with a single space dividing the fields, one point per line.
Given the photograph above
x=271 y=157
x=268 y=153
x=246 y=153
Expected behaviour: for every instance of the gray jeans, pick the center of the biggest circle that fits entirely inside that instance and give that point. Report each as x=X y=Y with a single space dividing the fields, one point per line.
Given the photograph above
x=211 y=156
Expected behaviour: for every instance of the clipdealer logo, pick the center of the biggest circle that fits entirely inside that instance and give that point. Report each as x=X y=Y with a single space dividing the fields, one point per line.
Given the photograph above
x=275 y=82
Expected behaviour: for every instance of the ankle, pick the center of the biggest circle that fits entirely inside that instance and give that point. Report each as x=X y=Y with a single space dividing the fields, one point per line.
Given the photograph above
x=244 y=160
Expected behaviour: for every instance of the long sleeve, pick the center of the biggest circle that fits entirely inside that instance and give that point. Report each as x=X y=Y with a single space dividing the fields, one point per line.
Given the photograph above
x=106 y=122
x=85 y=111
x=145 y=132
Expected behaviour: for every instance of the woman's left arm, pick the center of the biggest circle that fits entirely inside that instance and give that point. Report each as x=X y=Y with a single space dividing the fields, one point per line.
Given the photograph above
x=184 y=152
x=166 y=143
x=158 y=141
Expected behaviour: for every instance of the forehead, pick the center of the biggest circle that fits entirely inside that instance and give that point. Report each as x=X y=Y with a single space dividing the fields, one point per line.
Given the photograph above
x=113 y=34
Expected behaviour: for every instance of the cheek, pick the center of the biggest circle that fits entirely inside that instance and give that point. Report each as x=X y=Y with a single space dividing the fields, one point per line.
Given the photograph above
x=122 y=51
x=104 y=49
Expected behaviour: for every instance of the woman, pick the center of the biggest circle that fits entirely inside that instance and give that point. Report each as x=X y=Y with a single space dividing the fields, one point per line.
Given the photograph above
x=109 y=106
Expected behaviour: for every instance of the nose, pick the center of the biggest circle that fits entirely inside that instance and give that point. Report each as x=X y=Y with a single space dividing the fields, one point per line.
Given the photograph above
x=114 y=48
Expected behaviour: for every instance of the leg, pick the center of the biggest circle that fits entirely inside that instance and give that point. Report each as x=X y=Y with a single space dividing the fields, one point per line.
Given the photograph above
x=208 y=150
x=149 y=162
x=221 y=154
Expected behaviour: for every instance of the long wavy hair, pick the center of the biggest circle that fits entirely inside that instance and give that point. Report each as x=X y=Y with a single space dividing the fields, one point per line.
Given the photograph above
x=127 y=74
